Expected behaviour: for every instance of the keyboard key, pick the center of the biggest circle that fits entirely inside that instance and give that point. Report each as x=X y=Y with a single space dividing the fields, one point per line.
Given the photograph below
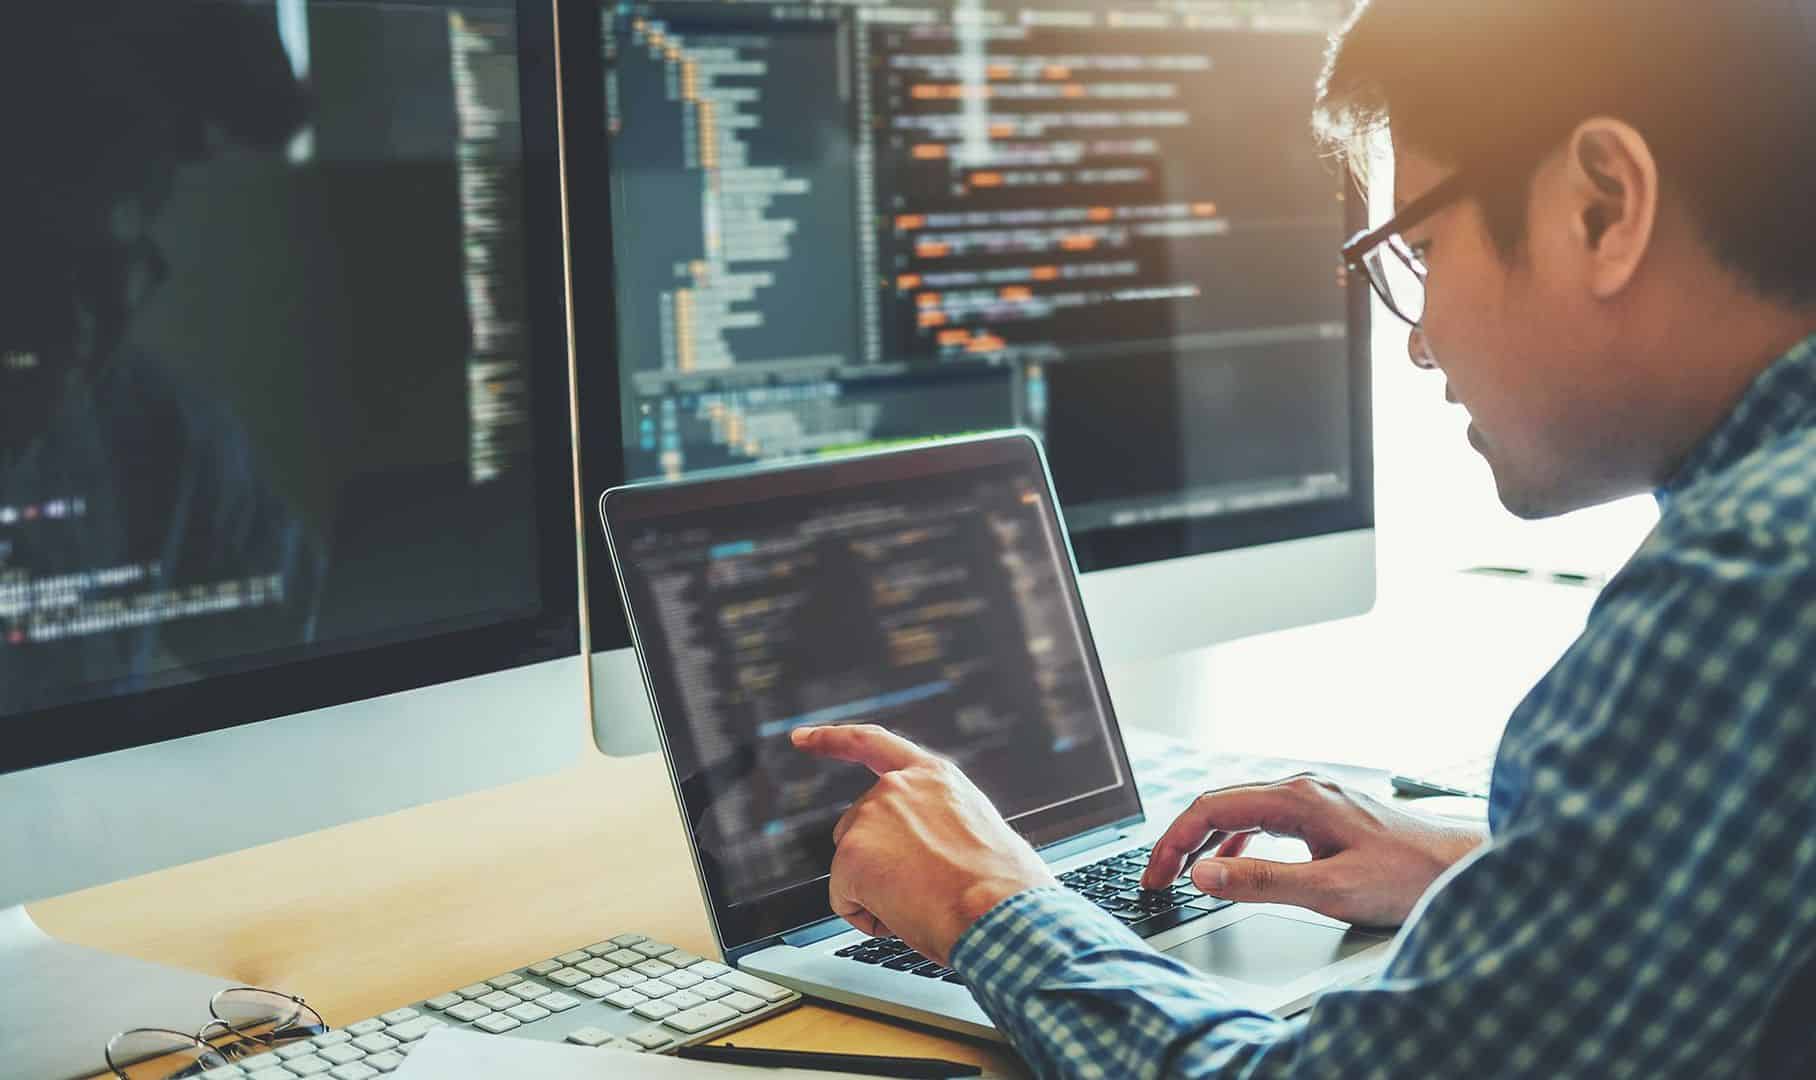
x=708 y=969
x=557 y=1001
x=711 y=991
x=376 y=1043
x=364 y=1027
x=505 y=981
x=543 y=967
x=684 y=999
x=625 y=978
x=651 y=1038
x=750 y=984
x=499 y=1000
x=527 y=1013
x=744 y=1003
x=312 y=1065
x=596 y=988
x=443 y=1001
x=569 y=977
x=677 y=958
x=655 y=988
x=398 y=1016
x=700 y=1017
x=625 y=957
x=596 y=966
x=354 y=1071
x=655 y=1010
x=224 y=1072
x=295 y=1050
x=932 y=971
x=590 y=1036
x=682 y=979
x=385 y=1062
x=497 y=1024
x=1155 y=924
x=275 y=1072
x=412 y=1030
x=262 y=1063
x=342 y=1054
x=600 y=948
x=905 y=962
x=468 y=1011
x=652 y=949
x=574 y=957
x=331 y=1038
x=655 y=969
x=625 y=999
x=626 y=940
x=477 y=990
x=528 y=991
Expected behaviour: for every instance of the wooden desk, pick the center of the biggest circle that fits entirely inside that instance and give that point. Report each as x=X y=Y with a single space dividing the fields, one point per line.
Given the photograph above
x=365 y=917
x=369 y=916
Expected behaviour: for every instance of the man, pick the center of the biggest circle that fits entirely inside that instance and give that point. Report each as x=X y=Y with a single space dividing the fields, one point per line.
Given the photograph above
x=1607 y=244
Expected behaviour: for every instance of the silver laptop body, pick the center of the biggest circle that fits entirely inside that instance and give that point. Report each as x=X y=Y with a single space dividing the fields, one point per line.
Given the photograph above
x=931 y=590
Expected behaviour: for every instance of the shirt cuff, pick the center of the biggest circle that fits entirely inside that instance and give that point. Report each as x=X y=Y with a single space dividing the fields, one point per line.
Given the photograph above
x=1029 y=937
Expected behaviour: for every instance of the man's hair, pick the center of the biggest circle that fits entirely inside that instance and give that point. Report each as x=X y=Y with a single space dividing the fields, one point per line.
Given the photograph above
x=1722 y=91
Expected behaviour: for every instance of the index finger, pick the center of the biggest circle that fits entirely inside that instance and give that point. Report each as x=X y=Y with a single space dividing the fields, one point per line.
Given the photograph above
x=876 y=748
x=1274 y=808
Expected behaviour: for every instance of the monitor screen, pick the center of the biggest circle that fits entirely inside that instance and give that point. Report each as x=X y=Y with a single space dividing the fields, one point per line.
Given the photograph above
x=928 y=591
x=837 y=225
x=270 y=388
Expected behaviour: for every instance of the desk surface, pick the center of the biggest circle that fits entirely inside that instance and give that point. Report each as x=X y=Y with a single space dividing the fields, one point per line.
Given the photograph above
x=371 y=915
x=365 y=917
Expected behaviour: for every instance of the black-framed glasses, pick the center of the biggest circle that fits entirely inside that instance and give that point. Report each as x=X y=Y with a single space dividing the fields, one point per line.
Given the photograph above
x=1395 y=270
x=247 y=1020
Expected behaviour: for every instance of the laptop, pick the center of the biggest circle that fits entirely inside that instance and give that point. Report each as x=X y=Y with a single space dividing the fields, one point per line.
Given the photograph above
x=930 y=590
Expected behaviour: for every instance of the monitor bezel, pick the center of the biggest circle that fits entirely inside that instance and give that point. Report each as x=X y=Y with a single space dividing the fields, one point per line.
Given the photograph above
x=218 y=702
x=744 y=926
x=601 y=445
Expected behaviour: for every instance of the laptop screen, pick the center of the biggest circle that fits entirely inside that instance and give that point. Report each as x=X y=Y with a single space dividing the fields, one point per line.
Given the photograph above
x=929 y=591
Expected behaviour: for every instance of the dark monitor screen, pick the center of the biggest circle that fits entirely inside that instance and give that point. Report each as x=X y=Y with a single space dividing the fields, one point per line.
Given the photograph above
x=282 y=377
x=834 y=226
x=929 y=591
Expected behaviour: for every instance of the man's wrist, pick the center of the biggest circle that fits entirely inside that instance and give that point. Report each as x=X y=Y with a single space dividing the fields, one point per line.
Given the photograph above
x=980 y=898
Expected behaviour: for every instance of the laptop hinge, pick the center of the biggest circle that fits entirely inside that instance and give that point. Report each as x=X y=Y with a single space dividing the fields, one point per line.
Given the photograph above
x=820 y=931
x=1067 y=848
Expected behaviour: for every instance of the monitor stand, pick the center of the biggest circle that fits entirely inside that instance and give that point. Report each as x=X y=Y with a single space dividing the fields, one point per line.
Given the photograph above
x=60 y=1003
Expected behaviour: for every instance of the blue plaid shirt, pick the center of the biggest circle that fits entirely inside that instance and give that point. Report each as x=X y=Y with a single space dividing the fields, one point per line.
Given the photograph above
x=1647 y=904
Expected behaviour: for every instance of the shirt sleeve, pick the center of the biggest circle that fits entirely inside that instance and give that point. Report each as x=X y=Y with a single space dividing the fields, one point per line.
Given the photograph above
x=1647 y=896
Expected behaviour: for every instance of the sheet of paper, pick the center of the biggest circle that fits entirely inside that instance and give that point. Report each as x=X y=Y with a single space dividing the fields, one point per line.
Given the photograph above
x=453 y=1054
x=59 y=1003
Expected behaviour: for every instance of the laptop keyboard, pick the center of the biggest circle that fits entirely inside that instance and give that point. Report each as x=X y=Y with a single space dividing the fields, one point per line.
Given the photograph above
x=1113 y=884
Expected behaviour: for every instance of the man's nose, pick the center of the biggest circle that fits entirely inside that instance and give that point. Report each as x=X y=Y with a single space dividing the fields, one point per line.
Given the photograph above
x=1420 y=350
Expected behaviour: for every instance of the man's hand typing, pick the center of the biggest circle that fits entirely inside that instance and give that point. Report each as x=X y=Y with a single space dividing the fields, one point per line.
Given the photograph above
x=1370 y=861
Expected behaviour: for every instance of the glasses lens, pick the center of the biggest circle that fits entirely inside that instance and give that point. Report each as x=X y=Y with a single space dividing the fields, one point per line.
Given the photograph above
x=182 y=1055
x=1392 y=269
x=264 y=1015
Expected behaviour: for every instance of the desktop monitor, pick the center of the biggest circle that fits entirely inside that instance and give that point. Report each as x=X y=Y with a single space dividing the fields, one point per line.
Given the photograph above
x=286 y=485
x=802 y=229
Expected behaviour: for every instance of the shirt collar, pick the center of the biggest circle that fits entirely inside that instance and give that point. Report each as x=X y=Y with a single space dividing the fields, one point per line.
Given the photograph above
x=1781 y=400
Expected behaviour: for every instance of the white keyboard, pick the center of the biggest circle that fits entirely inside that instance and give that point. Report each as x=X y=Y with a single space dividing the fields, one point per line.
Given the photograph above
x=628 y=993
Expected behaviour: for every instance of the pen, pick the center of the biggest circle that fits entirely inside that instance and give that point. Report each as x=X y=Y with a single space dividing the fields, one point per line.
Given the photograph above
x=867 y=1064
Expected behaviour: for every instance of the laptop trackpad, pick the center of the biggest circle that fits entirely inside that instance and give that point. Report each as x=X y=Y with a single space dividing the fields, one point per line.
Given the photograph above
x=1269 y=950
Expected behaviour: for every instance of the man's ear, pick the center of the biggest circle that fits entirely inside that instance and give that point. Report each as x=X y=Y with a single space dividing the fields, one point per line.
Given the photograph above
x=1612 y=187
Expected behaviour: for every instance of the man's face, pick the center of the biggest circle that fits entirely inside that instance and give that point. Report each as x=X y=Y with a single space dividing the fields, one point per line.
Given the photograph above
x=1520 y=350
